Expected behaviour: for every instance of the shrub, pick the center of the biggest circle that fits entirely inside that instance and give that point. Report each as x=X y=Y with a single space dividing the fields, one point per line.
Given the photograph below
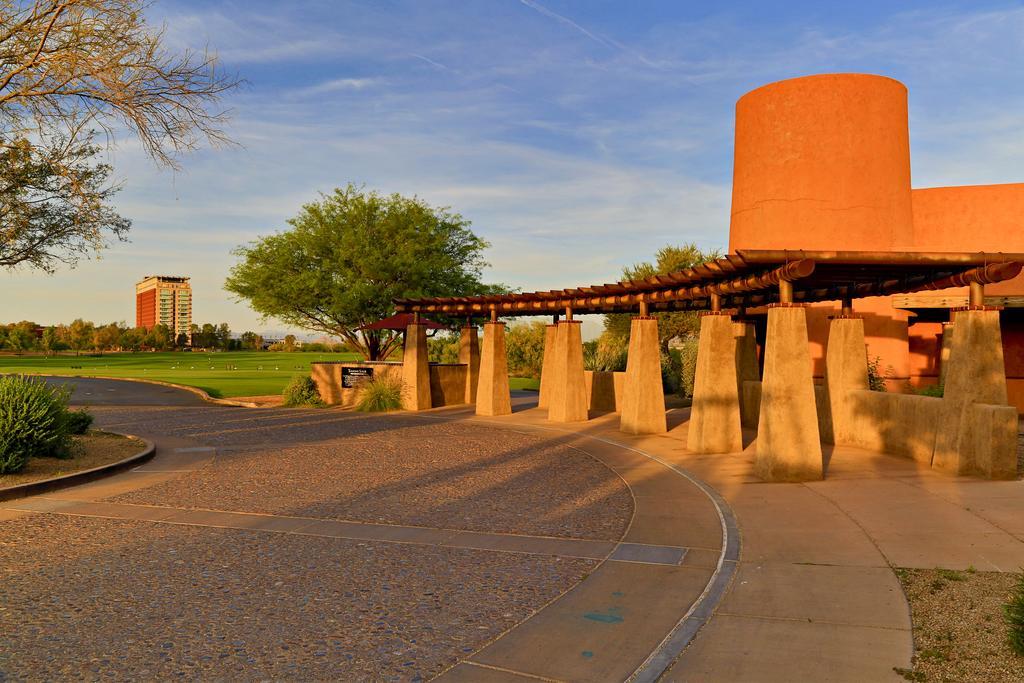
x=671 y=371
x=33 y=421
x=1013 y=612
x=444 y=348
x=524 y=344
x=608 y=353
x=77 y=421
x=876 y=382
x=688 y=360
x=380 y=394
x=302 y=391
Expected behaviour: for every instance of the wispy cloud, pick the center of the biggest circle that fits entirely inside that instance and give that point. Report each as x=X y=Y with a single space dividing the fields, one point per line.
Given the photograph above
x=340 y=85
x=572 y=157
x=537 y=7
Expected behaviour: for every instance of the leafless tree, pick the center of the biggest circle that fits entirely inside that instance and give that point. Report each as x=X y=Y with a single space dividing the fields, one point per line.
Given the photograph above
x=70 y=69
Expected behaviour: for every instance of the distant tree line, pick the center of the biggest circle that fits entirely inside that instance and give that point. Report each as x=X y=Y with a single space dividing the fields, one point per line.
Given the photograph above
x=84 y=336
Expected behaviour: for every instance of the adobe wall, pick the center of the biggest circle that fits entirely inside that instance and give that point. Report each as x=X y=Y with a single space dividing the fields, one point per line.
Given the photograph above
x=447 y=381
x=823 y=163
x=604 y=390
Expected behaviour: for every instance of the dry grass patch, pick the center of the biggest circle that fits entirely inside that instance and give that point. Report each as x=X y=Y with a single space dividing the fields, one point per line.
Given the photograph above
x=89 y=450
x=959 y=630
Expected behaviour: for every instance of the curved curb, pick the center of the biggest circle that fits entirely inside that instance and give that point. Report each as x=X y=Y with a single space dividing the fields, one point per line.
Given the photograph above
x=184 y=387
x=34 y=488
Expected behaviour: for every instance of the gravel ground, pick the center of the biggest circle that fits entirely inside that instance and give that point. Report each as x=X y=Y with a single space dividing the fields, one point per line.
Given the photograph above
x=394 y=470
x=90 y=450
x=91 y=598
x=959 y=633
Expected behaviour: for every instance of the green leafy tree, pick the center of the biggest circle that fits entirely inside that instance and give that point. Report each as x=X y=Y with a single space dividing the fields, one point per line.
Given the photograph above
x=670 y=325
x=134 y=339
x=50 y=341
x=106 y=338
x=348 y=256
x=159 y=338
x=251 y=341
x=224 y=336
x=21 y=337
x=80 y=335
x=524 y=344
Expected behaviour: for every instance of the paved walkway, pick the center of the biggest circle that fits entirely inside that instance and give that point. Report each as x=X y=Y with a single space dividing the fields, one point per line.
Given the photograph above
x=646 y=541
x=812 y=597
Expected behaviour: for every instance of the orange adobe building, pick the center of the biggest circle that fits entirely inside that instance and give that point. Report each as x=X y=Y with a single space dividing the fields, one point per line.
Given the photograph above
x=823 y=163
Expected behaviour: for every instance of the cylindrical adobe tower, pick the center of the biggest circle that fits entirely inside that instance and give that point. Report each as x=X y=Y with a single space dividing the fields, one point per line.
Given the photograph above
x=822 y=163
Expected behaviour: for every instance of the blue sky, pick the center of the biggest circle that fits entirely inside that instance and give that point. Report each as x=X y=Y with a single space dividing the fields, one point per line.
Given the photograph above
x=576 y=136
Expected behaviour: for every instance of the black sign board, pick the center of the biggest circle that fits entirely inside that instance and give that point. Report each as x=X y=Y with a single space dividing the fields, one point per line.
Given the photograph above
x=351 y=377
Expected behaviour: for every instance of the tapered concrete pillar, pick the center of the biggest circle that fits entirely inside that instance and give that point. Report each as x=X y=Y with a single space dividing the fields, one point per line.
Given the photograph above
x=568 y=397
x=469 y=355
x=415 y=369
x=846 y=370
x=643 y=398
x=492 y=391
x=788 y=443
x=715 y=416
x=547 y=366
x=969 y=443
x=747 y=369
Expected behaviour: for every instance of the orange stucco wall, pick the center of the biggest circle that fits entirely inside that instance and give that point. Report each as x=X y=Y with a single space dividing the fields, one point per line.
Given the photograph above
x=823 y=163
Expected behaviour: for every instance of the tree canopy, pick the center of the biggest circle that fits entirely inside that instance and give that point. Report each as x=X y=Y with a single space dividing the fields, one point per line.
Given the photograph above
x=347 y=256
x=70 y=68
x=668 y=259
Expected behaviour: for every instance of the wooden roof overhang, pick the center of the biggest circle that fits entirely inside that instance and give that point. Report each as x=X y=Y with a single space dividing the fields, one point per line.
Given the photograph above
x=749 y=278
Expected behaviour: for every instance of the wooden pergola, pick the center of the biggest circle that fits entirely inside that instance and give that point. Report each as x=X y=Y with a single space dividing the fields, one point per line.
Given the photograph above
x=748 y=279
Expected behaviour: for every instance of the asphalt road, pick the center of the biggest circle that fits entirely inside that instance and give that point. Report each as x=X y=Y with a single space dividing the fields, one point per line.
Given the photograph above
x=89 y=391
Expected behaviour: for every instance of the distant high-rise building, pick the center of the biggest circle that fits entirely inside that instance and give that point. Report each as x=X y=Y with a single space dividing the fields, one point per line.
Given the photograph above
x=164 y=300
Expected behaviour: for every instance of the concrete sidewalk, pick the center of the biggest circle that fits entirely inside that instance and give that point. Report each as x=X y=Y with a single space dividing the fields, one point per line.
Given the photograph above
x=815 y=596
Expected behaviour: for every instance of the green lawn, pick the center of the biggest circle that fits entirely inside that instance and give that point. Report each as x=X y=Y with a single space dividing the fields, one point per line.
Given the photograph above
x=223 y=375
x=524 y=383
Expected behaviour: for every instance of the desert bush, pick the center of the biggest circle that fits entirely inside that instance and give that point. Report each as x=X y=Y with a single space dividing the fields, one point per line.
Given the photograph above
x=78 y=421
x=876 y=380
x=302 y=391
x=380 y=394
x=671 y=371
x=607 y=353
x=443 y=348
x=1013 y=613
x=524 y=344
x=688 y=360
x=33 y=421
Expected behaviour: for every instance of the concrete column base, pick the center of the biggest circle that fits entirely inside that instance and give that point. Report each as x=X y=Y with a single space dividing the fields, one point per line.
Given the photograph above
x=846 y=370
x=469 y=355
x=568 y=397
x=416 y=369
x=643 y=398
x=546 y=368
x=788 y=442
x=492 y=391
x=975 y=439
x=715 y=416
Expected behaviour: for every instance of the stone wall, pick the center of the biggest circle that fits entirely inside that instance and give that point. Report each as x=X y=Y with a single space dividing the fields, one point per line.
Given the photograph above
x=447 y=381
x=604 y=390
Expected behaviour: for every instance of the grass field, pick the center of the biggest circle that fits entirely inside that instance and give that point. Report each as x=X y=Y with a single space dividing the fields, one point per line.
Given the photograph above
x=222 y=374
